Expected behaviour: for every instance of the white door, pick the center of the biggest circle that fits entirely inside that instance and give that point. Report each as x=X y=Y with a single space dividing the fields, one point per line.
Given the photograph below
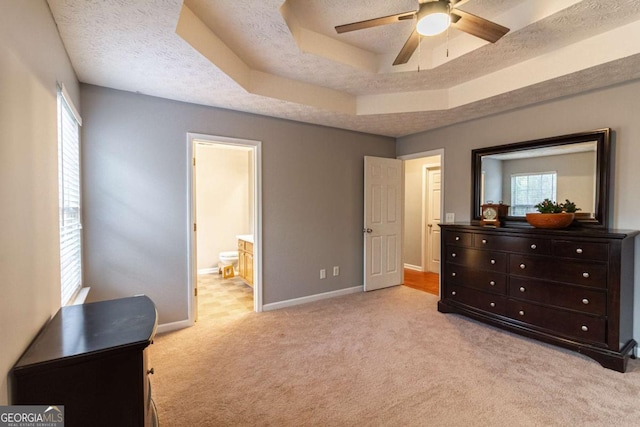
x=433 y=219
x=382 y=223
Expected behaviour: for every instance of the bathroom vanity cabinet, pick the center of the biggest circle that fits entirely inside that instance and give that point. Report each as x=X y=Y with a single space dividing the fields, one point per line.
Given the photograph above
x=93 y=359
x=572 y=288
x=245 y=261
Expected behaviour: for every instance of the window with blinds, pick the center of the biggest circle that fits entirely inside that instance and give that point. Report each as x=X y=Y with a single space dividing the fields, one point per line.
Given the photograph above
x=69 y=198
x=529 y=189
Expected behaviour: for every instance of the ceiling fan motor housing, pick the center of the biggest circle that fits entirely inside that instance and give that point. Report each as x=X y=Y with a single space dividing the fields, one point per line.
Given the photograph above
x=433 y=18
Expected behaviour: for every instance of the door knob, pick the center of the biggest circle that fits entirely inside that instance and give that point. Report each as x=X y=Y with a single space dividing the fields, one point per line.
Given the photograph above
x=367 y=230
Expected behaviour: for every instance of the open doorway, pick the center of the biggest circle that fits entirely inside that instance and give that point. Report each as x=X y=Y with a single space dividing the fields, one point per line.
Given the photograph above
x=225 y=212
x=423 y=197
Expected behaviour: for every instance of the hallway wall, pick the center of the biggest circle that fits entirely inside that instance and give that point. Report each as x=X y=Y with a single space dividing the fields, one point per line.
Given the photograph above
x=413 y=204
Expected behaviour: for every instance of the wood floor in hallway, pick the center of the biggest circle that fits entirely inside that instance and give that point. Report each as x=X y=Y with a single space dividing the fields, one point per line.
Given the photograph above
x=422 y=281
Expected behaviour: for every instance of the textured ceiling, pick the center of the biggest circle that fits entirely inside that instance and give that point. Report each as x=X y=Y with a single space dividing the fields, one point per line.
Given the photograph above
x=284 y=59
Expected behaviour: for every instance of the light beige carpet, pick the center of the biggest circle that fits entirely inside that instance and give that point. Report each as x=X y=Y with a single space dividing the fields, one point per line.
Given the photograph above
x=383 y=358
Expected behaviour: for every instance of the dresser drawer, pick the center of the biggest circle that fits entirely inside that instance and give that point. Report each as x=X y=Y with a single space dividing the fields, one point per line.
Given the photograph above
x=570 y=324
x=587 y=300
x=560 y=270
x=483 y=280
x=581 y=250
x=457 y=238
x=477 y=299
x=529 y=245
x=477 y=259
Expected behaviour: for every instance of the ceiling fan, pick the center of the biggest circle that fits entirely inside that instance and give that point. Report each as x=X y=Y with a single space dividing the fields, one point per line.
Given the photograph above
x=433 y=17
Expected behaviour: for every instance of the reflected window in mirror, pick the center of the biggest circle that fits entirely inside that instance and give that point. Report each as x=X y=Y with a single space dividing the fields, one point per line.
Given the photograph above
x=556 y=173
x=528 y=189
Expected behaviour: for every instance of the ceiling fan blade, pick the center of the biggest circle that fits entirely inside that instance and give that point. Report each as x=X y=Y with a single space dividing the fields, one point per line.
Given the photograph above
x=479 y=27
x=409 y=47
x=375 y=22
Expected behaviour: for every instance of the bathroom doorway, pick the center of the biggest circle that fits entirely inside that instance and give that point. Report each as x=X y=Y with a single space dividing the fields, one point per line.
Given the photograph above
x=423 y=212
x=225 y=212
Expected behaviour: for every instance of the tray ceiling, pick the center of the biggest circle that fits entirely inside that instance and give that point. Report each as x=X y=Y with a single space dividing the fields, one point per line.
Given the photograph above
x=284 y=59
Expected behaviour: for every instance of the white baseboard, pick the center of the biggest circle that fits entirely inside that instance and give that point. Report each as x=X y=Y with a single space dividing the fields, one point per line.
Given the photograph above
x=212 y=270
x=311 y=298
x=173 y=326
x=413 y=267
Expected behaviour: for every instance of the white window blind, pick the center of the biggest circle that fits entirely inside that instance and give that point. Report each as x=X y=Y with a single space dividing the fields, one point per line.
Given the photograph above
x=69 y=198
x=529 y=189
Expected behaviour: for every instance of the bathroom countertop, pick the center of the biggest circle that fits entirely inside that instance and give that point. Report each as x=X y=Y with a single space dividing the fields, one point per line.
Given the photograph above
x=246 y=237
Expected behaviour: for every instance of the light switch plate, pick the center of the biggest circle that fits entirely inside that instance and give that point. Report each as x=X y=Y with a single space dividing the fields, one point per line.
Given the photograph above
x=450 y=218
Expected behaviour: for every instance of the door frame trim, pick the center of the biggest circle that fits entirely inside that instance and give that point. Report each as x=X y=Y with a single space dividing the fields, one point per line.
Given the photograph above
x=192 y=274
x=426 y=168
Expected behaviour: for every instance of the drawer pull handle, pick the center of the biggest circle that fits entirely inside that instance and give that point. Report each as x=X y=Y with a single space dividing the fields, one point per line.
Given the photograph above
x=585 y=301
x=584 y=328
x=492 y=283
x=453 y=293
x=150 y=371
x=453 y=255
x=493 y=304
x=522 y=289
x=579 y=250
x=522 y=266
x=585 y=275
x=457 y=238
x=484 y=241
x=493 y=261
x=453 y=274
x=533 y=246
x=521 y=312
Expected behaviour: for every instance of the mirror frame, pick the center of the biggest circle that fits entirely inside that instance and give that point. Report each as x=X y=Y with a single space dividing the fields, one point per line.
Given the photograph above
x=602 y=137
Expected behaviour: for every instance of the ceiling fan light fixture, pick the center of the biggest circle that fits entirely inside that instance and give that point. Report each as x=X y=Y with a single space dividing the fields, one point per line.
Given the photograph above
x=433 y=18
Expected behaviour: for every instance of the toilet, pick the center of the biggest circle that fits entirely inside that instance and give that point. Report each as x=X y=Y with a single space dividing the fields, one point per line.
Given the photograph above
x=228 y=258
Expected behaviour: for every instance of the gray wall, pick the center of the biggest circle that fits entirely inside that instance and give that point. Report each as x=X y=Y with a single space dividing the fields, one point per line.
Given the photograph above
x=617 y=107
x=32 y=61
x=135 y=198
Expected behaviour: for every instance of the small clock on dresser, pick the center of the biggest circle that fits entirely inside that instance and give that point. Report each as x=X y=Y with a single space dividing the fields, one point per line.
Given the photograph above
x=491 y=214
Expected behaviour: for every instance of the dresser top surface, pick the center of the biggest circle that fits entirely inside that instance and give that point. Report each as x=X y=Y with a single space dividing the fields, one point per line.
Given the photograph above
x=93 y=328
x=569 y=232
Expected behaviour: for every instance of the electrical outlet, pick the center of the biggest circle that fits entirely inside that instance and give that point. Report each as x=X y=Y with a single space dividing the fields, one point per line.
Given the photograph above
x=450 y=218
x=336 y=270
x=323 y=274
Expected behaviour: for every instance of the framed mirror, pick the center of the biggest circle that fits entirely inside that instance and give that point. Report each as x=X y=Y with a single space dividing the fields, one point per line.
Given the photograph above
x=574 y=167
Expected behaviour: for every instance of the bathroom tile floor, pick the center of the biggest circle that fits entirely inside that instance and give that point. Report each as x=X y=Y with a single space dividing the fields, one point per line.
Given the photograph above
x=221 y=299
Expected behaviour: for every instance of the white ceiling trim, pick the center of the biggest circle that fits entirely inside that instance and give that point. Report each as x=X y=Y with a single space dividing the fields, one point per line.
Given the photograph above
x=598 y=50
x=309 y=41
x=192 y=30
x=273 y=86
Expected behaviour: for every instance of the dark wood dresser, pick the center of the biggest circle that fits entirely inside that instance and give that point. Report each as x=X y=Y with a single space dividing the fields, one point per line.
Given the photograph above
x=572 y=288
x=92 y=358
